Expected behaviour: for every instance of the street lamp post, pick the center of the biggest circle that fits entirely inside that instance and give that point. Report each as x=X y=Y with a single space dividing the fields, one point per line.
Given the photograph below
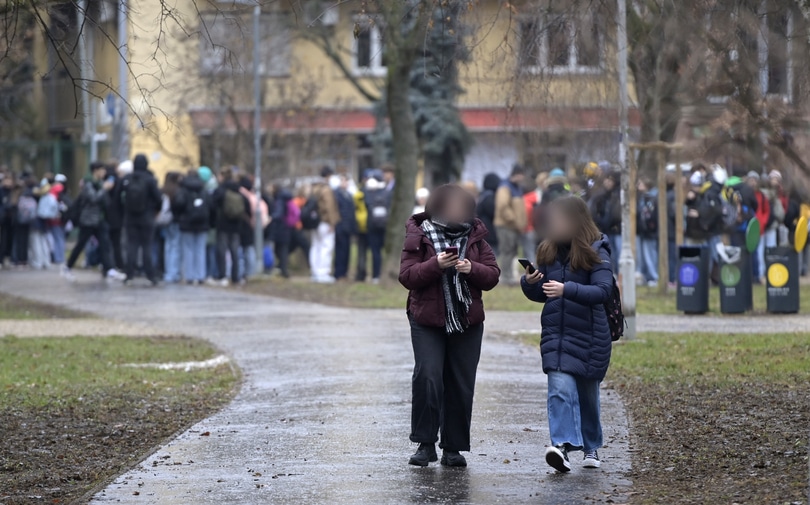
x=257 y=134
x=627 y=264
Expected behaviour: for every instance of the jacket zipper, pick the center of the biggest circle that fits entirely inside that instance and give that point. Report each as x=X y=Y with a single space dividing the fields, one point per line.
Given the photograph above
x=562 y=323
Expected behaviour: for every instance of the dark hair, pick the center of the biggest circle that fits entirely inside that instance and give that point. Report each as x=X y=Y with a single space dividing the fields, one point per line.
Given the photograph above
x=517 y=169
x=583 y=256
x=437 y=201
x=326 y=171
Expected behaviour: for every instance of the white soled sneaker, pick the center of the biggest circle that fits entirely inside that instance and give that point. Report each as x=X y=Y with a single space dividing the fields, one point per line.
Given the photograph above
x=591 y=460
x=557 y=458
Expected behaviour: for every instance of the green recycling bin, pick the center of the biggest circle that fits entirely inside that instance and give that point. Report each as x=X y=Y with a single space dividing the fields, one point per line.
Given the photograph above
x=782 y=273
x=736 y=280
x=693 y=279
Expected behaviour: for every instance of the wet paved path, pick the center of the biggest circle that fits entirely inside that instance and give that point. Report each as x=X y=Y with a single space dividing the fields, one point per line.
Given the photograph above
x=322 y=417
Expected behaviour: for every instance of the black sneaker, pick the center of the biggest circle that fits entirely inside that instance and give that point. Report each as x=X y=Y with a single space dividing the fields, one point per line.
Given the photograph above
x=557 y=458
x=453 y=458
x=591 y=460
x=425 y=455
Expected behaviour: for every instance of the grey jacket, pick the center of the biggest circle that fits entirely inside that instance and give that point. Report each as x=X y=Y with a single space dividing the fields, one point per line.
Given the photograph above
x=92 y=202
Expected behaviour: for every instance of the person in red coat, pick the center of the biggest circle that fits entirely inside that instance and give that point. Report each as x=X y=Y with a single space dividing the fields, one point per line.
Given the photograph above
x=446 y=264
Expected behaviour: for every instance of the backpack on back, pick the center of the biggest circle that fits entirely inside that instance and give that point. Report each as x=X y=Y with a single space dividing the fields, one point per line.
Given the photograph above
x=377 y=210
x=233 y=205
x=292 y=214
x=310 y=216
x=731 y=203
x=136 y=194
x=647 y=215
x=26 y=209
x=48 y=207
x=613 y=310
x=197 y=209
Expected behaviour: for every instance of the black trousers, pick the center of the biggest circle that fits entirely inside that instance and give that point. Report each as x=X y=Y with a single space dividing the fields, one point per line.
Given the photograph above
x=19 y=253
x=139 y=238
x=228 y=242
x=85 y=234
x=362 y=256
x=117 y=244
x=444 y=384
x=281 y=245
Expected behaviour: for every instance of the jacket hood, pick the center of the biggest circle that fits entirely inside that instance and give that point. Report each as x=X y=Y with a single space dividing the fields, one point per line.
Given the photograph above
x=414 y=225
x=192 y=182
x=140 y=163
x=604 y=243
x=492 y=181
x=284 y=195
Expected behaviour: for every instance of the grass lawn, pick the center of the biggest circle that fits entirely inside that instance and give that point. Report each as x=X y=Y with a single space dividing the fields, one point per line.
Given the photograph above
x=717 y=418
x=73 y=417
x=509 y=298
x=12 y=307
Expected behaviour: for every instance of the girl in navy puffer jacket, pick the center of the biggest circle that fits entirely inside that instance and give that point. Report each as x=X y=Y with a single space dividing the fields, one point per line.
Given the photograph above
x=573 y=279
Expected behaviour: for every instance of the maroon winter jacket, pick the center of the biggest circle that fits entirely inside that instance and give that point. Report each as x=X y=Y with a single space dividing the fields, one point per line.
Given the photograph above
x=419 y=272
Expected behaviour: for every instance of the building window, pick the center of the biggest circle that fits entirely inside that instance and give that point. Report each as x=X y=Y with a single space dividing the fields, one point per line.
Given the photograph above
x=226 y=44
x=368 y=47
x=561 y=43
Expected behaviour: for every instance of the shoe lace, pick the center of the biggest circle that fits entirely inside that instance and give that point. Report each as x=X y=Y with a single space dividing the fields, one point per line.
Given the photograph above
x=591 y=455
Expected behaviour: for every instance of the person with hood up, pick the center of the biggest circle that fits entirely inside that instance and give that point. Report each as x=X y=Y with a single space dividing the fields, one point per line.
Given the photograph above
x=446 y=264
x=141 y=200
x=191 y=208
x=91 y=204
x=573 y=279
x=211 y=183
x=232 y=211
x=510 y=220
x=486 y=208
x=284 y=220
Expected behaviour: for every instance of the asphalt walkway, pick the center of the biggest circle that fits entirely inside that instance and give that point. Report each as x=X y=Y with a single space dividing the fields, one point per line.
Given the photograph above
x=323 y=414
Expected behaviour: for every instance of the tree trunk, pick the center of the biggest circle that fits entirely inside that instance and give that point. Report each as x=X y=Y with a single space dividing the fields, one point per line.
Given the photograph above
x=406 y=161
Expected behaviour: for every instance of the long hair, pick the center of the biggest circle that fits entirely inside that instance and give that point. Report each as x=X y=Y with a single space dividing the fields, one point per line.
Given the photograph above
x=582 y=256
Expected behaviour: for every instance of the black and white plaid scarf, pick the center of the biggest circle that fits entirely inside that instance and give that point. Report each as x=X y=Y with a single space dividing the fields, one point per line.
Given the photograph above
x=457 y=298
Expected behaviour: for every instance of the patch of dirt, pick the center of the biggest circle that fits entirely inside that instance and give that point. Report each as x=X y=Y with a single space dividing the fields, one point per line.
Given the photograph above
x=735 y=444
x=58 y=455
x=12 y=307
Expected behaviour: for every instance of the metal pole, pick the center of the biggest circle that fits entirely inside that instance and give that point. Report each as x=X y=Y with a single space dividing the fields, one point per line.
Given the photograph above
x=84 y=71
x=627 y=265
x=122 y=102
x=257 y=133
x=92 y=104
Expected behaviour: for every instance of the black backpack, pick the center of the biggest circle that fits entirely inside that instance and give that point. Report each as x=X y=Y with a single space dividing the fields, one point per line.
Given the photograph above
x=647 y=215
x=377 y=204
x=613 y=310
x=198 y=209
x=310 y=217
x=136 y=194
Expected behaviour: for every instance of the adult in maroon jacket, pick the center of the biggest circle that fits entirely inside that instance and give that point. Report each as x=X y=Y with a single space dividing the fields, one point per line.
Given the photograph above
x=446 y=264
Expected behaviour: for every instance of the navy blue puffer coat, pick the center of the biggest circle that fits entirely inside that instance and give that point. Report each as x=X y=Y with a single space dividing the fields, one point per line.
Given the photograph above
x=576 y=336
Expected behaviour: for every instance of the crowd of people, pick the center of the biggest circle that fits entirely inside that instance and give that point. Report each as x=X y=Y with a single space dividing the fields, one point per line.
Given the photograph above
x=199 y=227
x=717 y=210
x=196 y=227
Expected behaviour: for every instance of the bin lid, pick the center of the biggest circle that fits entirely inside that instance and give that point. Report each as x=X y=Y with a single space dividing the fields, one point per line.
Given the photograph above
x=801 y=234
x=752 y=233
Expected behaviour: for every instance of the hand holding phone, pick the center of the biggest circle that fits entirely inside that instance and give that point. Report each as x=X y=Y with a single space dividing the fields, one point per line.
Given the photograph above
x=527 y=265
x=452 y=250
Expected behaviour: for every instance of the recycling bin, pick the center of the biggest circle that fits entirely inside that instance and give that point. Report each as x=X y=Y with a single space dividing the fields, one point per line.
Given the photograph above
x=736 y=280
x=693 y=279
x=782 y=273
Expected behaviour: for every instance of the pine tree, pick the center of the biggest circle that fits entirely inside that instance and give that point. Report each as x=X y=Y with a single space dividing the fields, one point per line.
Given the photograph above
x=434 y=90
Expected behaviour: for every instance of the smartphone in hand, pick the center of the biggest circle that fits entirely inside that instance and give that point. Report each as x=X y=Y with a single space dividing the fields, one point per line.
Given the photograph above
x=527 y=265
x=452 y=250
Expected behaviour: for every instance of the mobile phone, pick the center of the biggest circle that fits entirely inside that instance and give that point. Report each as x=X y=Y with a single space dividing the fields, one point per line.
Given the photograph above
x=527 y=265
x=452 y=250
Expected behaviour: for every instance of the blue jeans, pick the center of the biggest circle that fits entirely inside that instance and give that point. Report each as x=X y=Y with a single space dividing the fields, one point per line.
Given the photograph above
x=573 y=412
x=615 y=252
x=647 y=265
x=194 y=255
x=343 y=246
x=247 y=261
x=376 y=241
x=171 y=253
x=58 y=234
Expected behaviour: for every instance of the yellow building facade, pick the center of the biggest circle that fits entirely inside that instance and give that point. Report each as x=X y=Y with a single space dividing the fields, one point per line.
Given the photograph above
x=539 y=85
